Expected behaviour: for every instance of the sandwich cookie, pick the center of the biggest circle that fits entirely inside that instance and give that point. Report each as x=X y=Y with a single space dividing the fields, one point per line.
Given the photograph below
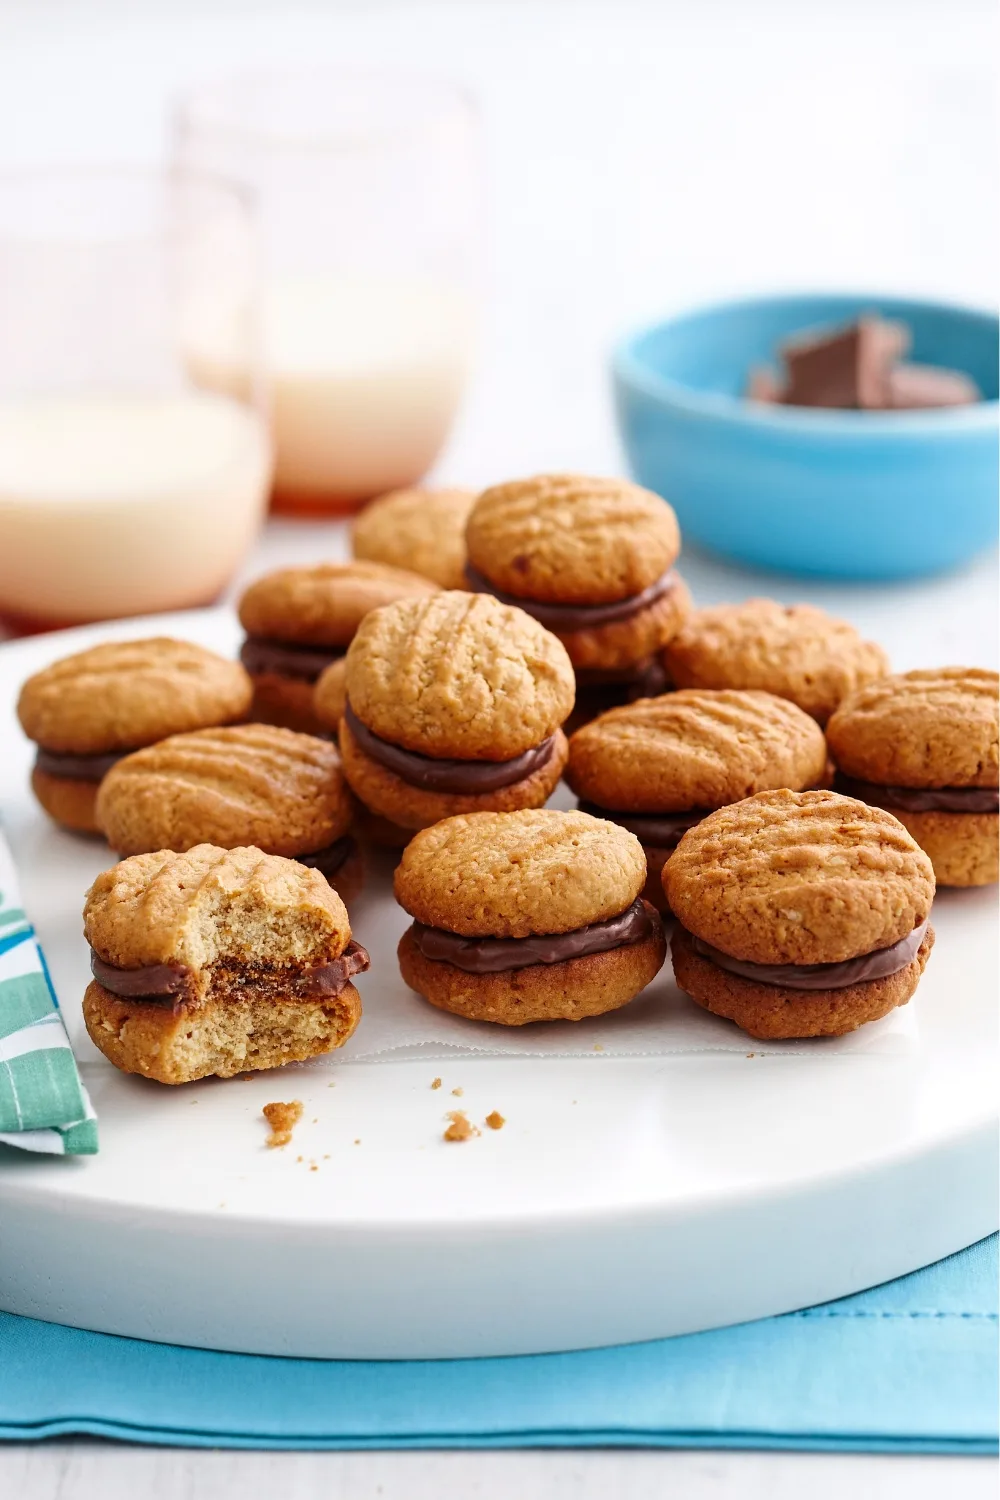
x=257 y=784
x=420 y=530
x=86 y=711
x=799 y=914
x=593 y=561
x=659 y=766
x=215 y=962
x=527 y=916
x=923 y=745
x=794 y=651
x=300 y=621
x=453 y=705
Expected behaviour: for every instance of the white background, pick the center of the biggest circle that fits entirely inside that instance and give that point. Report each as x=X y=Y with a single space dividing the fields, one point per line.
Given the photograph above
x=641 y=156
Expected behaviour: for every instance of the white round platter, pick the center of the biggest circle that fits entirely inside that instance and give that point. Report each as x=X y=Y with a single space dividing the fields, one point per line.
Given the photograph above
x=626 y=1198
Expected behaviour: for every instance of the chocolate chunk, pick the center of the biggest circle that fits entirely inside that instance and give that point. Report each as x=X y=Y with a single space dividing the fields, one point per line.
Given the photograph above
x=914 y=387
x=953 y=799
x=481 y=955
x=430 y=774
x=877 y=965
x=564 y=619
x=849 y=369
x=303 y=663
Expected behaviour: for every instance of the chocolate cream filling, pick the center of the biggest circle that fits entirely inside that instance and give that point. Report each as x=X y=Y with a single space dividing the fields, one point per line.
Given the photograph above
x=92 y=768
x=432 y=775
x=484 y=955
x=839 y=976
x=303 y=663
x=564 y=619
x=173 y=984
x=645 y=679
x=953 y=799
x=331 y=859
x=655 y=830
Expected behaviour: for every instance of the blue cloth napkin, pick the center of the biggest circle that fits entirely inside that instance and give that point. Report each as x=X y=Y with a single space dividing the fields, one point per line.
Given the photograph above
x=908 y=1367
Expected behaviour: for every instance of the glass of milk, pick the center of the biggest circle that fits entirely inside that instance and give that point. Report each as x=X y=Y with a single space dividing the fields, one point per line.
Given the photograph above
x=125 y=486
x=368 y=191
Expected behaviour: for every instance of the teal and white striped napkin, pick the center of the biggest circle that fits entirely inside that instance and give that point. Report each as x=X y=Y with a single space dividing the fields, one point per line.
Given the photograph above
x=43 y=1104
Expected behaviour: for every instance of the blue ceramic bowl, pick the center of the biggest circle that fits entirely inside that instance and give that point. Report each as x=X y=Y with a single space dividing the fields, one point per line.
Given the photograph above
x=837 y=494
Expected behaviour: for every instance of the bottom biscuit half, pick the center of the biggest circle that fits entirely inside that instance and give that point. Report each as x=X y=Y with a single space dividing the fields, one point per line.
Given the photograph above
x=219 y=1038
x=770 y=1013
x=67 y=801
x=963 y=847
x=568 y=991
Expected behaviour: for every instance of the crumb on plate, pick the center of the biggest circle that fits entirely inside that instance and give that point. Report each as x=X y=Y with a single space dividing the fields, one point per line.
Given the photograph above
x=461 y=1127
x=495 y=1120
x=282 y=1119
x=435 y=1083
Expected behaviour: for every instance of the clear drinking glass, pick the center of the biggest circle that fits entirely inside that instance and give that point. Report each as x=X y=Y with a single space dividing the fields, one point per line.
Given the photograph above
x=125 y=487
x=367 y=187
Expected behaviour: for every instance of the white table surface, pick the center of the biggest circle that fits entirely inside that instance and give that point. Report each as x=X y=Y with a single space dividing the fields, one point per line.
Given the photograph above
x=642 y=156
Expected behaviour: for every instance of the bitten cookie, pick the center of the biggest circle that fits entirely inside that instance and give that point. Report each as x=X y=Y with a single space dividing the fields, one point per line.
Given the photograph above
x=659 y=766
x=593 y=561
x=801 y=913
x=924 y=746
x=527 y=916
x=454 y=705
x=217 y=962
x=86 y=711
x=422 y=530
x=256 y=784
x=794 y=651
x=299 y=621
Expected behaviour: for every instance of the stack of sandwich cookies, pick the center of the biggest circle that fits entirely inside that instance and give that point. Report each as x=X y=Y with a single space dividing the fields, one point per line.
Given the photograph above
x=420 y=530
x=454 y=705
x=659 y=766
x=593 y=561
x=527 y=916
x=794 y=651
x=800 y=914
x=252 y=784
x=923 y=745
x=299 y=623
x=87 y=711
x=217 y=962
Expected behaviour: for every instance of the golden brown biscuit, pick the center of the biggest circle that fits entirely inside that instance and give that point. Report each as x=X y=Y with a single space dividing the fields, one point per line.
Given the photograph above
x=807 y=894
x=125 y=694
x=458 y=676
x=569 y=991
x=570 y=539
x=697 y=748
x=590 y=559
x=87 y=710
x=256 y=784
x=527 y=916
x=794 y=651
x=405 y=807
x=325 y=604
x=514 y=874
x=217 y=962
x=923 y=745
x=771 y=1013
x=659 y=765
x=799 y=878
x=930 y=728
x=421 y=530
x=300 y=620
